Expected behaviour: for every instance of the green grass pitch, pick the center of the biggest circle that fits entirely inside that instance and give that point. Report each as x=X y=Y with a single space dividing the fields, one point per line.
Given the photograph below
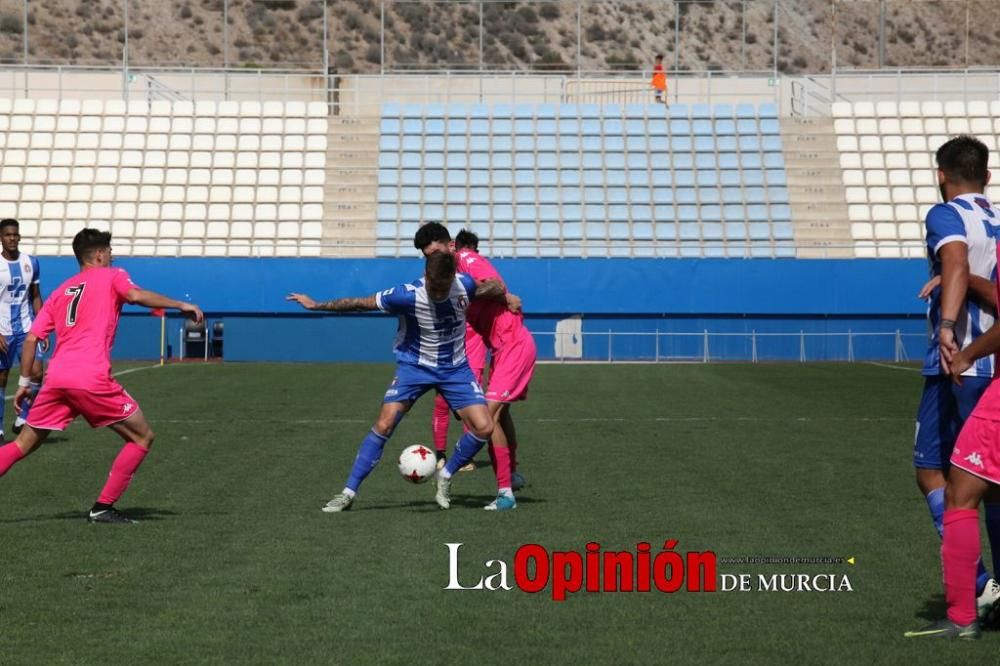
x=235 y=563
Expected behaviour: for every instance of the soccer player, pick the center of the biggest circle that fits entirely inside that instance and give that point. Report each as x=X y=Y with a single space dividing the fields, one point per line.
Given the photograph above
x=430 y=354
x=20 y=301
x=659 y=80
x=960 y=243
x=475 y=352
x=513 y=351
x=83 y=312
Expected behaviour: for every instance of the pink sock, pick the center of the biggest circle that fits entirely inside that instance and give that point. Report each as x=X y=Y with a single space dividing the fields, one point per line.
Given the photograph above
x=9 y=454
x=439 y=423
x=960 y=552
x=500 y=457
x=122 y=470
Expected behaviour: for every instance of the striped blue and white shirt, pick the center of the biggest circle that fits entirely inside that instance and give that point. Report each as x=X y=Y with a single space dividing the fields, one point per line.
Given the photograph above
x=431 y=333
x=15 y=299
x=973 y=220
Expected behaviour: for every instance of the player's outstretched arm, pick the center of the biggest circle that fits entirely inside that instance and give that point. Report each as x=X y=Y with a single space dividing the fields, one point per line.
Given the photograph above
x=492 y=289
x=151 y=299
x=982 y=290
x=366 y=304
x=986 y=344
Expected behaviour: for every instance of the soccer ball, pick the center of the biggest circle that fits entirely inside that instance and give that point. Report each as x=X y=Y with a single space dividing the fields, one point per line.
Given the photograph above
x=417 y=463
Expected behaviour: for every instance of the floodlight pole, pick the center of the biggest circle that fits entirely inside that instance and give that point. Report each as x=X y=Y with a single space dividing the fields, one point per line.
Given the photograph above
x=881 y=36
x=480 y=35
x=381 y=38
x=125 y=52
x=24 y=33
x=579 y=39
x=225 y=46
x=326 y=50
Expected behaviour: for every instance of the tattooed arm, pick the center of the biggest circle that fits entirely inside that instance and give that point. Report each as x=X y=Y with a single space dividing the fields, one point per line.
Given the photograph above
x=365 y=304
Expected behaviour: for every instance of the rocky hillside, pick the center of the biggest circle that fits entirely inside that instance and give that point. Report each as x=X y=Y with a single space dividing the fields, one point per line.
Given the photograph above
x=519 y=36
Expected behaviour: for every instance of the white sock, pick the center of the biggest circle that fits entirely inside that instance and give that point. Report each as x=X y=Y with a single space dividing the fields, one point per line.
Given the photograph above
x=506 y=492
x=350 y=493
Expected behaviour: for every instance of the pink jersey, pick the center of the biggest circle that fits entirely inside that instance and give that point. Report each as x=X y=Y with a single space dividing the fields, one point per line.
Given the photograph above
x=490 y=319
x=83 y=311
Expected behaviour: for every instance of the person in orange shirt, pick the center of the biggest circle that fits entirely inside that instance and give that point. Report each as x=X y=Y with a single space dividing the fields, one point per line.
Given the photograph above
x=659 y=81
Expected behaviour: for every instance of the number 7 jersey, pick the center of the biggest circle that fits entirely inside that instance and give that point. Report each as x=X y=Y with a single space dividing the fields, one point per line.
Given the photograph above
x=83 y=312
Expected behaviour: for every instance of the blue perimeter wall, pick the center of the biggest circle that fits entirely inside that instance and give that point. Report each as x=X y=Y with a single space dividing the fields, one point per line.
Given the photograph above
x=620 y=295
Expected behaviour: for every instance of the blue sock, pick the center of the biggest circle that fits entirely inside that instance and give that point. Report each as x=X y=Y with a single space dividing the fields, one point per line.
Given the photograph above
x=33 y=388
x=3 y=403
x=465 y=451
x=935 y=502
x=369 y=453
x=993 y=530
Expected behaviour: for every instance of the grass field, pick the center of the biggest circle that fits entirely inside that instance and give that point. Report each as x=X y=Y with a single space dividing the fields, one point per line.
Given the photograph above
x=234 y=562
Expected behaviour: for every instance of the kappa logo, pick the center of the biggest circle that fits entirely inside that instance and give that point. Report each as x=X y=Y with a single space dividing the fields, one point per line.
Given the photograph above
x=127 y=407
x=975 y=459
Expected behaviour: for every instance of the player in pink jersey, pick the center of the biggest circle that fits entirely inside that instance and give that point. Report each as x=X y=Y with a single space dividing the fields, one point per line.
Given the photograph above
x=513 y=351
x=83 y=312
x=475 y=353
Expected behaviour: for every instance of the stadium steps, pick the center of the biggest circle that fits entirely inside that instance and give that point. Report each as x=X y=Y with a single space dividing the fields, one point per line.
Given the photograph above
x=815 y=192
x=351 y=187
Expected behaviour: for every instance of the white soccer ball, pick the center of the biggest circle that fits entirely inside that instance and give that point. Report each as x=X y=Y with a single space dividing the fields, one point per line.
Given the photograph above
x=417 y=463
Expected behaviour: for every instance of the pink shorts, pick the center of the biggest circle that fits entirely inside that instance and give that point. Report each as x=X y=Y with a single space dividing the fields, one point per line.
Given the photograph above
x=55 y=408
x=977 y=450
x=511 y=371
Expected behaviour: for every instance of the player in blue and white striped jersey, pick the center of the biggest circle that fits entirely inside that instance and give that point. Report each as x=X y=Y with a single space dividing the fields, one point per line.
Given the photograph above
x=20 y=300
x=430 y=354
x=962 y=252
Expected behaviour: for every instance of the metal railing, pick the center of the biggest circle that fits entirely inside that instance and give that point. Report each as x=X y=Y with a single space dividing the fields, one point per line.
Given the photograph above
x=708 y=346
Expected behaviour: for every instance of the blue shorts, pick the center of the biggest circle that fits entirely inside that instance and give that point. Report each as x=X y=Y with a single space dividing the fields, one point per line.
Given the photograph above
x=458 y=385
x=14 y=345
x=944 y=407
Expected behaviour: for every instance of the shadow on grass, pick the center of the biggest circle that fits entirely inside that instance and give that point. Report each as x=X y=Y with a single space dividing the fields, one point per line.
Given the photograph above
x=141 y=514
x=429 y=506
x=933 y=609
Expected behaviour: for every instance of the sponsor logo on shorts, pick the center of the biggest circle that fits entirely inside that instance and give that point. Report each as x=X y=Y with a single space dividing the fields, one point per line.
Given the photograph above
x=975 y=459
x=127 y=407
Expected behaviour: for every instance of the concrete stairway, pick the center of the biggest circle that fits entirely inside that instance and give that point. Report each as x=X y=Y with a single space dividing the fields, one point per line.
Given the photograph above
x=350 y=195
x=815 y=188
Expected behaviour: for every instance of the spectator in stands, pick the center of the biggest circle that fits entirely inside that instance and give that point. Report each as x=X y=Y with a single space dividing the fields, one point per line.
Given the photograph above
x=659 y=81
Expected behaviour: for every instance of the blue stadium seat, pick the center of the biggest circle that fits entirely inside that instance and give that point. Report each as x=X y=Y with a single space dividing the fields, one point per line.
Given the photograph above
x=413 y=111
x=746 y=127
x=569 y=126
x=704 y=144
x=524 y=127
x=689 y=230
x=728 y=161
x=734 y=212
x=456 y=144
x=593 y=195
x=410 y=212
x=618 y=213
x=456 y=177
x=391 y=110
x=546 y=128
x=639 y=178
x=678 y=111
x=614 y=144
x=680 y=144
x=782 y=230
x=433 y=143
x=701 y=111
x=525 y=195
x=683 y=178
x=784 y=250
x=389 y=126
x=479 y=160
x=548 y=195
x=722 y=111
x=775 y=177
x=502 y=196
x=569 y=144
x=592 y=144
x=665 y=230
x=781 y=213
x=479 y=111
x=434 y=111
x=524 y=214
x=760 y=231
x=571 y=213
x=430 y=212
x=502 y=160
x=761 y=250
x=725 y=128
x=408 y=229
x=686 y=195
x=745 y=111
x=753 y=177
x=388 y=160
x=434 y=176
x=410 y=177
x=455 y=110
x=548 y=178
x=386 y=229
x=502 y=111
x=590 y=127
x=754 y=195
x=709 y=195
x=595 y=212
x=524 y=177
x=635 y=128
x=777 y=195
x=502 y=230
x=637 y=144
x=411 y=160
x=413 y=125
x=479 y=215
x=593 y=178
x=525 y=143
x=570 y=177
x=548 y=229
x=409 y=194
x=726 y=144
x=615 y=178
x=570 y=161
x=456 y=213
x=388 y=177
x=432 y=195
x=545 y=111
x=707 y=178
x=524 y=111
x=736 y=230
x=611 y=110
x=389 y=143
x=642 y=213
x=635 y=110
x=711 y=214
x=729 y=178
x=751 y=161
x=590 y=111
x=771 y=144
x=524 y=160
x=642 y=231
x=757 y=213
x=434 y=126
x=637 y=161
x=702 y=127
x=683 y=161
x=572 y=231
x=774 y=160
x=769 y=127
x=568 y=111
x=614 y=161
x=479 y=126
x=663 y=195
x=657 y=127
x=457 y=161
x=705 y=161
x=662 y=178
x=680 y=127
x=639 y=195
x=768 y=111
x=613 y=127
x=479 y=195
x=617 y=195
x=592 y=161
x=732 y=195
x=501 y=126
x=571 y=196
x=659 y=144
x=388 y=212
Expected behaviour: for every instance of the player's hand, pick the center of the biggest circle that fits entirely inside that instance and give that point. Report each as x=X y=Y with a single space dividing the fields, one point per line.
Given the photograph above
x=23 y=393
x=303 y=300
x=929 y=286
x=193 y=312
x=3 y=344
x=513 y=302
x=959 y=363
x=43 y=345
x=948 y=347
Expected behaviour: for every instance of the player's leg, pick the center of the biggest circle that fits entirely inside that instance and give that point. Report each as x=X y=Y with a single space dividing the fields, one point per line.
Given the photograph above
x=439 y=428
x=37 y=371
x=500 y=459
x=27 y=441
x=138 y=437
x=465 y=396
x=53 y=412
x=510 y=431
x=6 y=363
